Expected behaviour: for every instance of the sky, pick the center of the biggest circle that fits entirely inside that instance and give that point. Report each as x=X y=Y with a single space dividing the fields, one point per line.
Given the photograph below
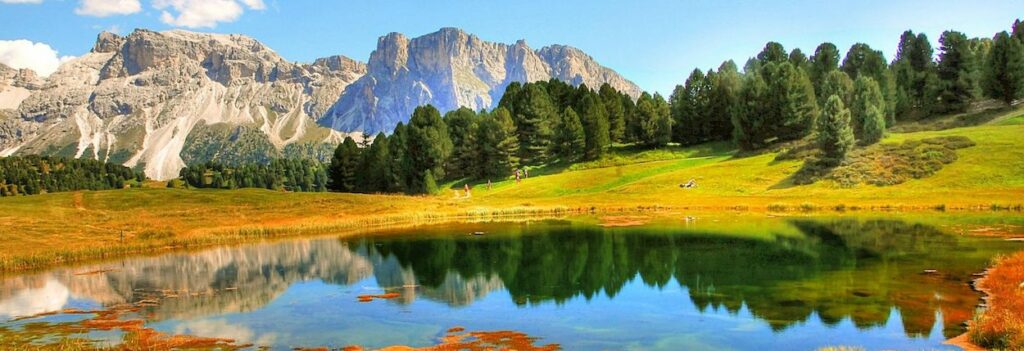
x=655 y=43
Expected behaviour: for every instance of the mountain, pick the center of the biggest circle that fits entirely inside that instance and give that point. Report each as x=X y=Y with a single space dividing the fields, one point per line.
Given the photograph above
x=451 y=69
x=157 y=101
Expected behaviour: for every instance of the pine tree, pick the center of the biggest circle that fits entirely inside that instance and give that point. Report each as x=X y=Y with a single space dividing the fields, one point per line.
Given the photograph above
x=866 y=95
x=725 y=85
x=835 y=136
x=379 y=169
x=824 y=61
x=798 y=59
x=570 y=140
x=863 y=60
x=462 y=124
x=655 y=120
x=836 y=83
x=403 y=173
x=498 y=145
x=428 y=145
x=954 y=76
x=595 y=126
x=689 y=110
x=773 y=52
x=1004 y=69
x=343 y=170
x=534 y=116
x=612 y=101
x=747 y=116
x=914 y=71
x=873 y=128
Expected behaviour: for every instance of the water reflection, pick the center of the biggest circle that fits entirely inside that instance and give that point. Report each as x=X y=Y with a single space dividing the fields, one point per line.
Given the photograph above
x=783 y=273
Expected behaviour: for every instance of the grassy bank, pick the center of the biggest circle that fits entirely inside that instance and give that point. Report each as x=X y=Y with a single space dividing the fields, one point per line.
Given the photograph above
x=60 y=228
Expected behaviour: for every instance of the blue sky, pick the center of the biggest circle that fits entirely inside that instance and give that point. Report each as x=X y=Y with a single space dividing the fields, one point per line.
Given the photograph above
x=654 y=43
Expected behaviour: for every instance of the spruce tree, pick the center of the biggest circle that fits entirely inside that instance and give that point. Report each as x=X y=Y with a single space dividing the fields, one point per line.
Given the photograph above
x=835 y=136
x=570 y=140
x=1004 y=69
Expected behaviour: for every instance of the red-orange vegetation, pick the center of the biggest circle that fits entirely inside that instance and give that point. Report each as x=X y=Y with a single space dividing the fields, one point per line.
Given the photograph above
x=1001 y=325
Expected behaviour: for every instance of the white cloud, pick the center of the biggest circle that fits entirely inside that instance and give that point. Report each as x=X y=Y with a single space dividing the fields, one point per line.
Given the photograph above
x=38 y=57
x=254 y=4
x=104 y=8
x=21 y=1
x=203 y=13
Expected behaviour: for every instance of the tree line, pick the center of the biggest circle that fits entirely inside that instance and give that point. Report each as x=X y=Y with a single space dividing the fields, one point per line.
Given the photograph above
x=279 y=174
x=31 y=175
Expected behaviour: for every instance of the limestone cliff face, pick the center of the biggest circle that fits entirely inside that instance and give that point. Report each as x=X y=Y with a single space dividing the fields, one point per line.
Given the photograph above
x=136 y=99
x=156 y=100
x=451 y=69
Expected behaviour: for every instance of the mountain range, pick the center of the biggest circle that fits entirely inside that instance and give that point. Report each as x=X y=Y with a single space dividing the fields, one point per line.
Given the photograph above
x=157 y=101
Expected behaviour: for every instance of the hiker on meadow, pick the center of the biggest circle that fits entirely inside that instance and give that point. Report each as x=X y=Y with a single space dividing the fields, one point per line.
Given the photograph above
x=517 y=176
x=468 y=194
x=488 y=184
x=526 y=173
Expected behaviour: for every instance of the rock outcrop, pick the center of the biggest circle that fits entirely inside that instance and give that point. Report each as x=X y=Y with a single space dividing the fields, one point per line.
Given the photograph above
x=451 y=69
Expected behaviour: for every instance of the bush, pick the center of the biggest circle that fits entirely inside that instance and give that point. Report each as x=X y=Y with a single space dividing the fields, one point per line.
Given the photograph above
x=887 y=164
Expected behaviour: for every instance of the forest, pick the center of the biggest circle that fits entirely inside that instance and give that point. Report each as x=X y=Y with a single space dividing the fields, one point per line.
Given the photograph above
x=31 y=175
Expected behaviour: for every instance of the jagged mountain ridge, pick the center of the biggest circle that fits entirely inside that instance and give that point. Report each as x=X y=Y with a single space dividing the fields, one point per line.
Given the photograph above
x=451 y=69
x=160 y=100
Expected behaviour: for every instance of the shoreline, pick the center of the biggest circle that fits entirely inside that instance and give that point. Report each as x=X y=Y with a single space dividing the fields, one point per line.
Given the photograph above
x=252 y=216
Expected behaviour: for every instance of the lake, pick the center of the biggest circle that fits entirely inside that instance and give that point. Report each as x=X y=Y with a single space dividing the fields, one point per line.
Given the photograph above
x=675 y=283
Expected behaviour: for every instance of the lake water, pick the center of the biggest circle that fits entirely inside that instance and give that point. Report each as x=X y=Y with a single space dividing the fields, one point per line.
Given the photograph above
x=670 y=284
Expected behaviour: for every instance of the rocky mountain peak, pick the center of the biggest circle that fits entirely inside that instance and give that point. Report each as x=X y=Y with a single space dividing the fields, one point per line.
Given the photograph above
x=450 y=69
x=107 y=42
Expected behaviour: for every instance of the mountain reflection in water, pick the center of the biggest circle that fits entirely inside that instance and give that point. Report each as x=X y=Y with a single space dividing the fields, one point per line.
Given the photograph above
x=784 y=274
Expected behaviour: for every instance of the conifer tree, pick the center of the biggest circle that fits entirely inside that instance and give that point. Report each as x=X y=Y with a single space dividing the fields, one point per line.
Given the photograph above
x=612 y=101
x=953 y=71
x=1004 y=69
x=595 y=126
x=834 y=136
x=570 y=140
x=873 y=128
x=343 y=170
x=428 y=145
x=498 y=145
x=866 y=95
